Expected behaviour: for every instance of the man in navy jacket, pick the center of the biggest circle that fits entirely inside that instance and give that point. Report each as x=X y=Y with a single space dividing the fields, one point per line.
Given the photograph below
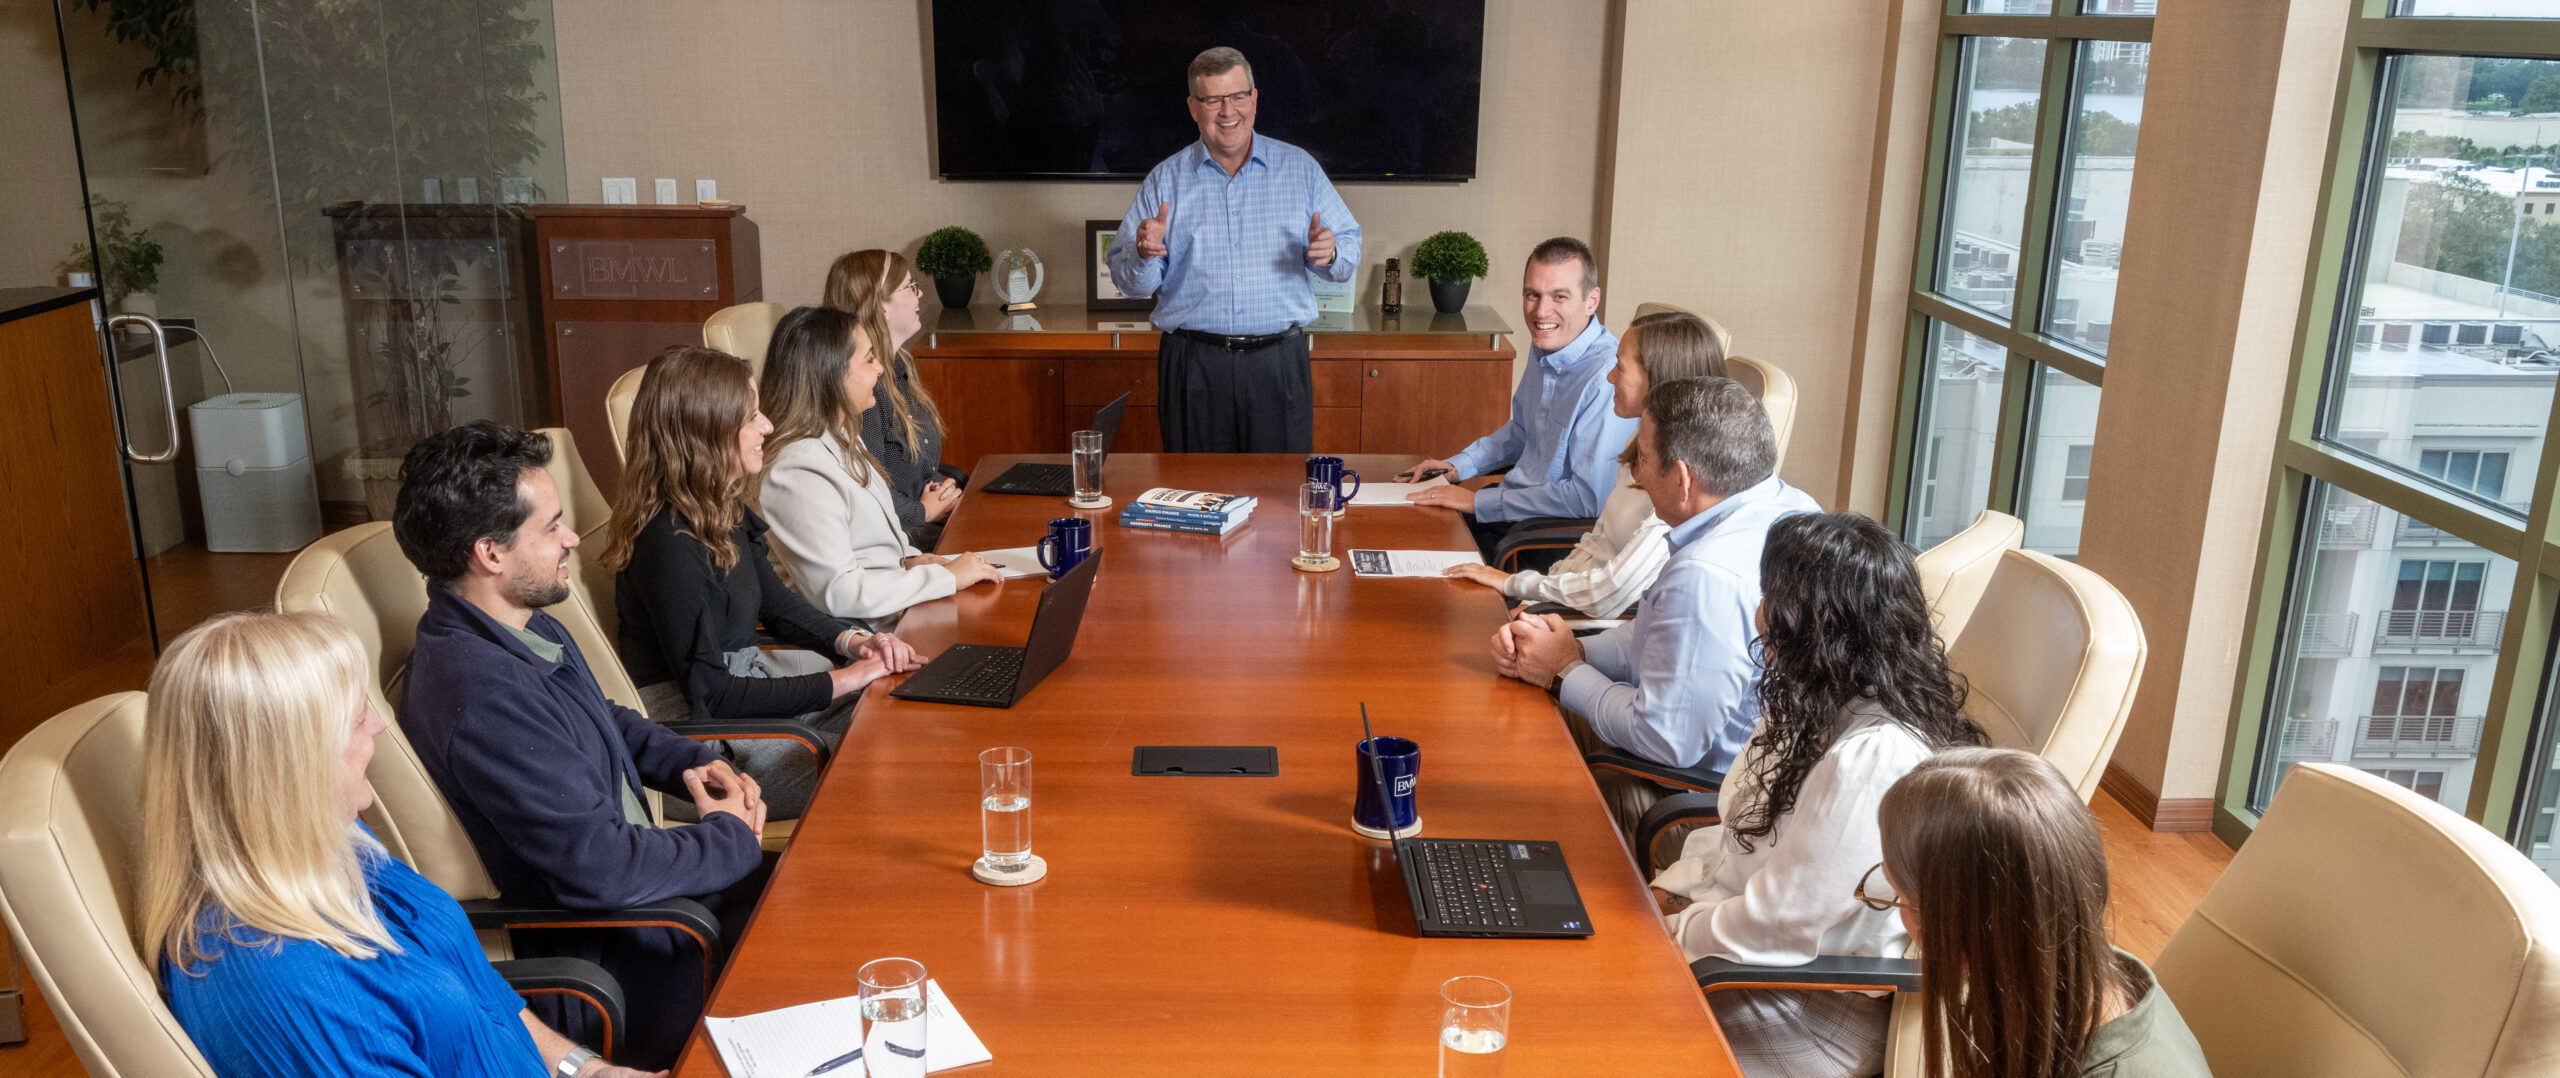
x=544 y=772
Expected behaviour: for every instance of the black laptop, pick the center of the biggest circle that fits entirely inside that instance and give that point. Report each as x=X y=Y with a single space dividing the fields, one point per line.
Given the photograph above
x=1058 y=480
x=1485 y=887
x=991 y=675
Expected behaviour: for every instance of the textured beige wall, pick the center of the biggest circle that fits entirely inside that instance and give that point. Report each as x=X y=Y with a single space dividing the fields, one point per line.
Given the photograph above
x=2235 y=122
x=1898 y=171
x=1746 y=146
x=814 y=114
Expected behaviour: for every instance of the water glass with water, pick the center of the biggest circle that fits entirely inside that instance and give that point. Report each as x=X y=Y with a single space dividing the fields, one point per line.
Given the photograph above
x=893 y=1007
x=1315 y=524
x=1085 y=457
x=1004 y=803
x=1474 y=1027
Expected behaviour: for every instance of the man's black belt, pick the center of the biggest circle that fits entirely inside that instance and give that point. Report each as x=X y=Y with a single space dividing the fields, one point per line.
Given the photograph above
x=1239 y=344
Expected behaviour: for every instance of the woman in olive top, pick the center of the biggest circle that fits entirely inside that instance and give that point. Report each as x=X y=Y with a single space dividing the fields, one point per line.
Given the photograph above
x=2001 y=879
x=693 y=577
x=902 y=429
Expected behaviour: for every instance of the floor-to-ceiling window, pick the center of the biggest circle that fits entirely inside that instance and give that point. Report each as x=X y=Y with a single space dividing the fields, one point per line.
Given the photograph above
x=2031 y=165
x=2405 y=611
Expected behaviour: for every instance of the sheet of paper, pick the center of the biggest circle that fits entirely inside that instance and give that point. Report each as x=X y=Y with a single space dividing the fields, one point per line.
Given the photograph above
x=1391 y=493
x=1015 y=561
x=787 y=1043
x=1409 y=562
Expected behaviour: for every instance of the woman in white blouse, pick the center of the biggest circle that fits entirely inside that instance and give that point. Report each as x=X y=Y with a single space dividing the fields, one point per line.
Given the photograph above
x=834 y=522
x=1614 y=562
x=1854 y=693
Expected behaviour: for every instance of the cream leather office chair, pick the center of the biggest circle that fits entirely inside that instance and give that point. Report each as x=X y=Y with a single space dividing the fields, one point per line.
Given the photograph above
x=2053 y=654
x=2365 y=931
x=586 y=511
x=1776 y=388
x=70 y=862
x=1954 y=572
x=744 y=331
x=618 y=400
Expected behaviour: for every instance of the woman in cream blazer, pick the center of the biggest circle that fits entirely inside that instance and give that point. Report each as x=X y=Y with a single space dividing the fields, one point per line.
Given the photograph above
x=835 y=525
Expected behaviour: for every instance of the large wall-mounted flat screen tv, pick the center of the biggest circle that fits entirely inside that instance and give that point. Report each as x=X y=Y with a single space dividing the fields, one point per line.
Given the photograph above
x=1094 y=89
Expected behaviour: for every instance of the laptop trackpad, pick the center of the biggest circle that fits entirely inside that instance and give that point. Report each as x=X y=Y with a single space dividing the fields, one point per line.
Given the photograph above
x=1543 y=887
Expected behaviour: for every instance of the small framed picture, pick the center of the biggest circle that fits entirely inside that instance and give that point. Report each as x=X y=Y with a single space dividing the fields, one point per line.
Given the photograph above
x=1099 y=293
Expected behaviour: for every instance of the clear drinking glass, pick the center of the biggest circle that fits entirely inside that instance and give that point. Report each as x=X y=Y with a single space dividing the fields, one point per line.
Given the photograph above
x=893 y=1007
x=1474 y=1028
x=1086 y=457
x=1004 y=800
x=1315 y=523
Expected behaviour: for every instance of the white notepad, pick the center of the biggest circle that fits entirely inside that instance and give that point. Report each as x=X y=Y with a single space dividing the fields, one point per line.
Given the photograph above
x=1391 y=493
x=1015 y=561
x=1409 y=562
x=787 y=1043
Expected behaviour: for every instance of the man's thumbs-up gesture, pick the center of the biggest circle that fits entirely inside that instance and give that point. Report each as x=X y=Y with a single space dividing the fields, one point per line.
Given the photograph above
x=1319 y=241
x=1151 y=231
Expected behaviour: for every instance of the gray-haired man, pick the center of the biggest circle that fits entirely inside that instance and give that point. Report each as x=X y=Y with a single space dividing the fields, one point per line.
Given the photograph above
x=1678 y=685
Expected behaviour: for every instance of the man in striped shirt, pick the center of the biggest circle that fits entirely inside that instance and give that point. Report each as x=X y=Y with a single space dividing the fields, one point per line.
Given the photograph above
x=1223 y=234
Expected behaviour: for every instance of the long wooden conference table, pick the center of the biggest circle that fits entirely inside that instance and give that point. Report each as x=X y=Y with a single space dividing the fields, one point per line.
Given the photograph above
x=1216 y=925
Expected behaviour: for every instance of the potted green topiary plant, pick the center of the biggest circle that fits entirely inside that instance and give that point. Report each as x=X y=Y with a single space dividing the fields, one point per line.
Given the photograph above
x=953 y=257
x=128 y=260
x=1450 y=261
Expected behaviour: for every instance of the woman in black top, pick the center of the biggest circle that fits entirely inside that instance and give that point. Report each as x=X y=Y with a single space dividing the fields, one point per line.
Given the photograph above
x=902 y=429
x=692 y=579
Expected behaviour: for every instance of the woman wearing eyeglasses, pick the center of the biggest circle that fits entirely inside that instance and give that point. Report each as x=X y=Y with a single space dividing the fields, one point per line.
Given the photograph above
x=1854 y=693
x=1996 y=868
x=903 y=428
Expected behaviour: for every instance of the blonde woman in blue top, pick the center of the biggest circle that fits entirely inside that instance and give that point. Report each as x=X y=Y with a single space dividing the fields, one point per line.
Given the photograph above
x=289 y=943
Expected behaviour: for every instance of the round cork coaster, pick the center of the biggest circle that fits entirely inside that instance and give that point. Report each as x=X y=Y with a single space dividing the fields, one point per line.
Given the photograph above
x=1100 y=501
x=1325 y=565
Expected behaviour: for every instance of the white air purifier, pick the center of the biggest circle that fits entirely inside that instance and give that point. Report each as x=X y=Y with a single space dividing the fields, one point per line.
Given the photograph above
x=253 y=470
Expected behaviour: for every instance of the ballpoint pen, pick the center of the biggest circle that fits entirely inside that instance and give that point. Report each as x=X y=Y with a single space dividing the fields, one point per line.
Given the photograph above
x=832 y=1064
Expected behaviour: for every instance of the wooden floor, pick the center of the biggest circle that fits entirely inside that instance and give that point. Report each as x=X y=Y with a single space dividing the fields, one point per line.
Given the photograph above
x=2157 y=878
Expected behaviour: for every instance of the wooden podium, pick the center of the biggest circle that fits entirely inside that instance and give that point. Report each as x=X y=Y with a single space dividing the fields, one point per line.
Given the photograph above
x=620 y=284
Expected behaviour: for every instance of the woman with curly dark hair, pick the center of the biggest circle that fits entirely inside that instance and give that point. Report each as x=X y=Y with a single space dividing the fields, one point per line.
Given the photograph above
x=1854 y=693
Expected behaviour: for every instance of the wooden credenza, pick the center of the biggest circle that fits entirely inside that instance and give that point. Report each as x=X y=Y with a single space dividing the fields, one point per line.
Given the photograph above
x=1418 y=382
x=620 y=284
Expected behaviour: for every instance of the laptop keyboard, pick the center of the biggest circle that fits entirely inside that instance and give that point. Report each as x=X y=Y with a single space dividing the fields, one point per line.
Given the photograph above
x=990 y=678
x=1469 y=883
x=1034 y=479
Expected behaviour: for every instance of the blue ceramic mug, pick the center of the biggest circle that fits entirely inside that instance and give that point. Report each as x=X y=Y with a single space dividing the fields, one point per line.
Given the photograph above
x=1402 y=760
x=1068 y=544
x=1330 y=472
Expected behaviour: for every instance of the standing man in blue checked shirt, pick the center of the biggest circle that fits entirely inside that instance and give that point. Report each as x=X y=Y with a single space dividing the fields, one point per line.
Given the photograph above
x=1223 y=234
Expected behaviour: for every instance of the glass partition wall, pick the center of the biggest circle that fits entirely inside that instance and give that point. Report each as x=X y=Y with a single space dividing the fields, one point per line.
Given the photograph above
x=333 y=189
x=2038 y=111
x=2403 y=621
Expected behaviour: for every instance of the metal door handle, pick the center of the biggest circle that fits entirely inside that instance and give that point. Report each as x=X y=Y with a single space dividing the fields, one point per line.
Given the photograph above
x=168 y=396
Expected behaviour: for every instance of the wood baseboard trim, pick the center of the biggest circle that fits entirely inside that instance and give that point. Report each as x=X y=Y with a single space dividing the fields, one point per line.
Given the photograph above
x=2155 y=812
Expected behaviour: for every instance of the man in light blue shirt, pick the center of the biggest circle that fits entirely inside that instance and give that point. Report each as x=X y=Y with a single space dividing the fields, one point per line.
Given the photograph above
x=1678 y=685
x=1223 y=234
x=1563 y=439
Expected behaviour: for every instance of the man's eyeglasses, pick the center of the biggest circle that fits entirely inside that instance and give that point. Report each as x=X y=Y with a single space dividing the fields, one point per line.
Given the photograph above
x=1237 y=99
x=1889 y=901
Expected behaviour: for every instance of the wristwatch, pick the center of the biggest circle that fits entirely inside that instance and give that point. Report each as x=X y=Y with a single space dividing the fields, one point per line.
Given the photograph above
x=1556 y=687
x=577 y=1059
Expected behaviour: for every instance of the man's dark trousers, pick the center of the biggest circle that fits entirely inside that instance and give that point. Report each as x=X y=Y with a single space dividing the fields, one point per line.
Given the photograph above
x=1215 y=399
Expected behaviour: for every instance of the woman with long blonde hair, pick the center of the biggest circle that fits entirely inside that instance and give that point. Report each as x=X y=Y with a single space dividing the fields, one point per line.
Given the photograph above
x=1999 y=874
x=825 y=495
x=902 y=429
x=693 y=579
x=289 y=942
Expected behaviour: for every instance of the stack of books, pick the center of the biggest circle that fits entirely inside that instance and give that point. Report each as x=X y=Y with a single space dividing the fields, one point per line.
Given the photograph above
x=1200 y=512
